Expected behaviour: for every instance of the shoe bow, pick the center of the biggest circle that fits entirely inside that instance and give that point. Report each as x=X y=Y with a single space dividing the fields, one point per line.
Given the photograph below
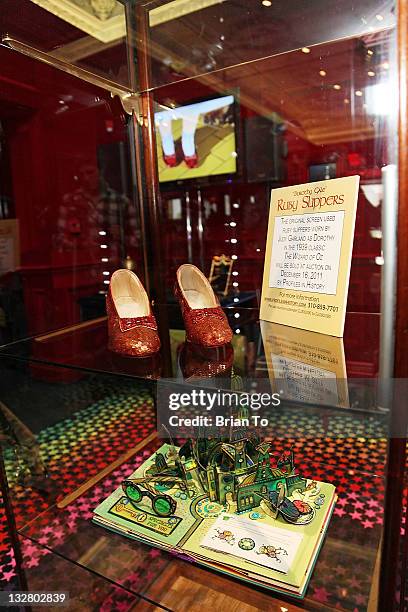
x=126 y=324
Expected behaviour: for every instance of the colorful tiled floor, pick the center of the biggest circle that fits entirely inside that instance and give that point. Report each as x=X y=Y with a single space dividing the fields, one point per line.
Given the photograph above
x=72 y=451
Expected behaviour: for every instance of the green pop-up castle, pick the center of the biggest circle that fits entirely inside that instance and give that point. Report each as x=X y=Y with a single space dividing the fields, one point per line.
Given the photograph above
x=234 y=469
x=241 y=469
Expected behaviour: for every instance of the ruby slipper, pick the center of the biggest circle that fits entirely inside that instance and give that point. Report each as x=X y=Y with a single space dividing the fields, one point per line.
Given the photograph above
x=132 y=327
x=170 y=160
x=204 y=319
x=191 y=160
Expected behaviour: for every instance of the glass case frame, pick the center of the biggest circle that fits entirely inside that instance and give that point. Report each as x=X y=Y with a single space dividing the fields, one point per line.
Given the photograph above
x=142 y=97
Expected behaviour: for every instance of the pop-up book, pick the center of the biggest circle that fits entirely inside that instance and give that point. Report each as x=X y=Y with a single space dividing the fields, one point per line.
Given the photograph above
x=227 y=504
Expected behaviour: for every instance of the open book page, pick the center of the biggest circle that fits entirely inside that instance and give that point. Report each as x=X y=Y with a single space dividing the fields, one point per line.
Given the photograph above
x=262 y=544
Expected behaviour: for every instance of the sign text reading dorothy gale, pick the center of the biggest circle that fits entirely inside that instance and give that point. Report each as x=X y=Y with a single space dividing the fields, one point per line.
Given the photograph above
x=311 y=198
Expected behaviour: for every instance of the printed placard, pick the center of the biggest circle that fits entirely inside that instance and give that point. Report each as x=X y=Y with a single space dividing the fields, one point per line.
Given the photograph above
x=308 y=255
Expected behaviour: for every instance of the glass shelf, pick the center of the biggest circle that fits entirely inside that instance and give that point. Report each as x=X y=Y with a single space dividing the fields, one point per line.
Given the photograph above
x=84 y=346
x=266 y=353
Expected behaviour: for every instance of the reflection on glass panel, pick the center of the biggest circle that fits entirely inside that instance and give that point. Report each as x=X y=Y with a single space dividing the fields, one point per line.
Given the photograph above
x=87 y=33
x=67 y=217
x=225 y=139
x=192 y=38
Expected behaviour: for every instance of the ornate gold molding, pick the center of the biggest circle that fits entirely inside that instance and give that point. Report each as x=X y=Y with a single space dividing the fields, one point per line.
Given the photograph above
x=102 y=19
x=177 y=9
x=104 y=29
x=103 y=9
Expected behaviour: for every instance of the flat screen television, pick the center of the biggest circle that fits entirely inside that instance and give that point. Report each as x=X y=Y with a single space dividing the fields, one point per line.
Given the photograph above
x=196 y=140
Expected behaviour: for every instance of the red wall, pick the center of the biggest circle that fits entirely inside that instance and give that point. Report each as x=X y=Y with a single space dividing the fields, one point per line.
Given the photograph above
x=53 y=134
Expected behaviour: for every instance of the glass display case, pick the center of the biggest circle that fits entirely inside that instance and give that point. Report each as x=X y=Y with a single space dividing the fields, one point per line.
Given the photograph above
x=147 y=134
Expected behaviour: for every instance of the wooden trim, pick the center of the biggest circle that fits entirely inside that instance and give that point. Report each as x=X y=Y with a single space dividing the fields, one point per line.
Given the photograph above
x=148 y=185
x=401 y=327
x=11 y=526
x=373 y=597
x=69 y=330
x=21 y=430
x=147 y=162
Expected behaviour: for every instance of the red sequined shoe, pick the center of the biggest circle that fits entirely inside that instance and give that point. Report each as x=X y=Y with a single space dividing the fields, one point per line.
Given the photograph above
x=204 y=319
x=170 y=160
x=132 y=327
x=191 y=160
